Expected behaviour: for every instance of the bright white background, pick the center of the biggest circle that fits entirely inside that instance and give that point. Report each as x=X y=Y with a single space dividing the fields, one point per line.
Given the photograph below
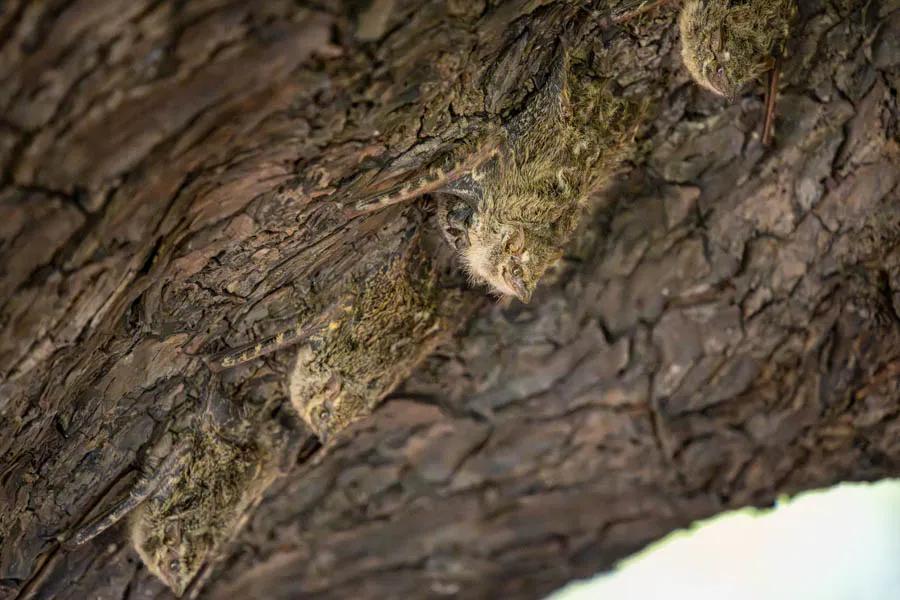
x=840 y=544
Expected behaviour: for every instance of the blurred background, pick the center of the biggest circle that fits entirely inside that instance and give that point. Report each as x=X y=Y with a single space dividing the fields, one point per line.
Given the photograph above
x=838 y=544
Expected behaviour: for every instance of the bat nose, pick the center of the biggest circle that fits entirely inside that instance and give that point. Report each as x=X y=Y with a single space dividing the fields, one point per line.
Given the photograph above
x=522 y=291
x=177 y=585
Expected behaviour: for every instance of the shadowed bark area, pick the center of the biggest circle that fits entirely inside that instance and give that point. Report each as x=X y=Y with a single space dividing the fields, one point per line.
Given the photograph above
x=724 y=329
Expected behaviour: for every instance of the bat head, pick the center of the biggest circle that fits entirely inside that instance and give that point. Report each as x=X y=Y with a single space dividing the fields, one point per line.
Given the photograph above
x=507 y=258
x=173 y=552
x=325 y=402
x=726 y=45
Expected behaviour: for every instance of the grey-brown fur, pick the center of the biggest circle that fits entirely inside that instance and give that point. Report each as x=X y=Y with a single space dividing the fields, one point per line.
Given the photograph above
x=193 y=495
x=398 y=317
x=564 y=146
x=527 y=195
x=176 y=533
x=726 y=44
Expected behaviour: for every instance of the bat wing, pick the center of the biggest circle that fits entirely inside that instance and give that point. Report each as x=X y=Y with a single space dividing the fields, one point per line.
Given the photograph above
x=159 y=478
x=440 y=178
x=289 y=337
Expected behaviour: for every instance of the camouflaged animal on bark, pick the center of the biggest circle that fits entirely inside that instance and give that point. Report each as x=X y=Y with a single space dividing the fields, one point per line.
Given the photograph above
x=534 y=195
x=521 y=193
x=177 y=533
x=341 y=374
x=726 y=44
x=192 y=496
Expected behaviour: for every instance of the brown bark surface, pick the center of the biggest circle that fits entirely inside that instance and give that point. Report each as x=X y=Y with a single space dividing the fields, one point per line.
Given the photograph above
x=725 y=329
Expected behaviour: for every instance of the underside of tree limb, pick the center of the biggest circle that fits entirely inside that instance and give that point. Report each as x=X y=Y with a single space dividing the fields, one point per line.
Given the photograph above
x=724 y=329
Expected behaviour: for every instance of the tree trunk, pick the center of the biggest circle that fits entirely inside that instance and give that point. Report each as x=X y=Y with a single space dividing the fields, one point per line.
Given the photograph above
x=724 y=329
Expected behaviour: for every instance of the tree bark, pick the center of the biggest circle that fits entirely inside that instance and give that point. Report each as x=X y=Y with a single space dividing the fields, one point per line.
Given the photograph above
x=724 y=329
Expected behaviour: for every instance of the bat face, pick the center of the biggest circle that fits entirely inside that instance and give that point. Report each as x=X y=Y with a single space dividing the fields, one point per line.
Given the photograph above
x=506 y=259
x=173 y=554
x=716 y=80
x=325 y=402
x=332 y=415
x=725 y=45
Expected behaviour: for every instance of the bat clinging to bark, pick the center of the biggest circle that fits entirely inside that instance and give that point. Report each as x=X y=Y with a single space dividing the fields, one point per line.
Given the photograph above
x=191 y=497
x=725 y=44
x=512 y=203
x=341 y=374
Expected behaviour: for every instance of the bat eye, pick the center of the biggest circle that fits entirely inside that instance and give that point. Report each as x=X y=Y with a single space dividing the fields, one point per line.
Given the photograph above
x=174 y=565
x=720 y=71
x=517 y=272
x=324 y=414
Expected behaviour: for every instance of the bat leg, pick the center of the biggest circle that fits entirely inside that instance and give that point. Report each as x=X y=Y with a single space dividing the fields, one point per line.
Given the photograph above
x=771 y=98
x=642 y=9
x=289 y=337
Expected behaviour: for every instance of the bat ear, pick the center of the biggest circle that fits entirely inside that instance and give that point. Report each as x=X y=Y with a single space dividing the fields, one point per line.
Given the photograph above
x=514 y=240
x=718 y=39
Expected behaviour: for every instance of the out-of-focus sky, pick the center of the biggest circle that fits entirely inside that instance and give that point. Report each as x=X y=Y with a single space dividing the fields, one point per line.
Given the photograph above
x=837 y=544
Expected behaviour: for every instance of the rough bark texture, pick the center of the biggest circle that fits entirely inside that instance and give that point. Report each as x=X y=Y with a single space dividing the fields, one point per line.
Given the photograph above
x=725 y=329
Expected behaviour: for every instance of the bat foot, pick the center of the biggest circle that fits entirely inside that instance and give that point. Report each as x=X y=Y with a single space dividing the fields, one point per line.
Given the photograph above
x=771 y=100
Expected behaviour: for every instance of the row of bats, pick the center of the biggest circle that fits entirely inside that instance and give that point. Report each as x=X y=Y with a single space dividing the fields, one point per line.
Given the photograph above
x=508 y=204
